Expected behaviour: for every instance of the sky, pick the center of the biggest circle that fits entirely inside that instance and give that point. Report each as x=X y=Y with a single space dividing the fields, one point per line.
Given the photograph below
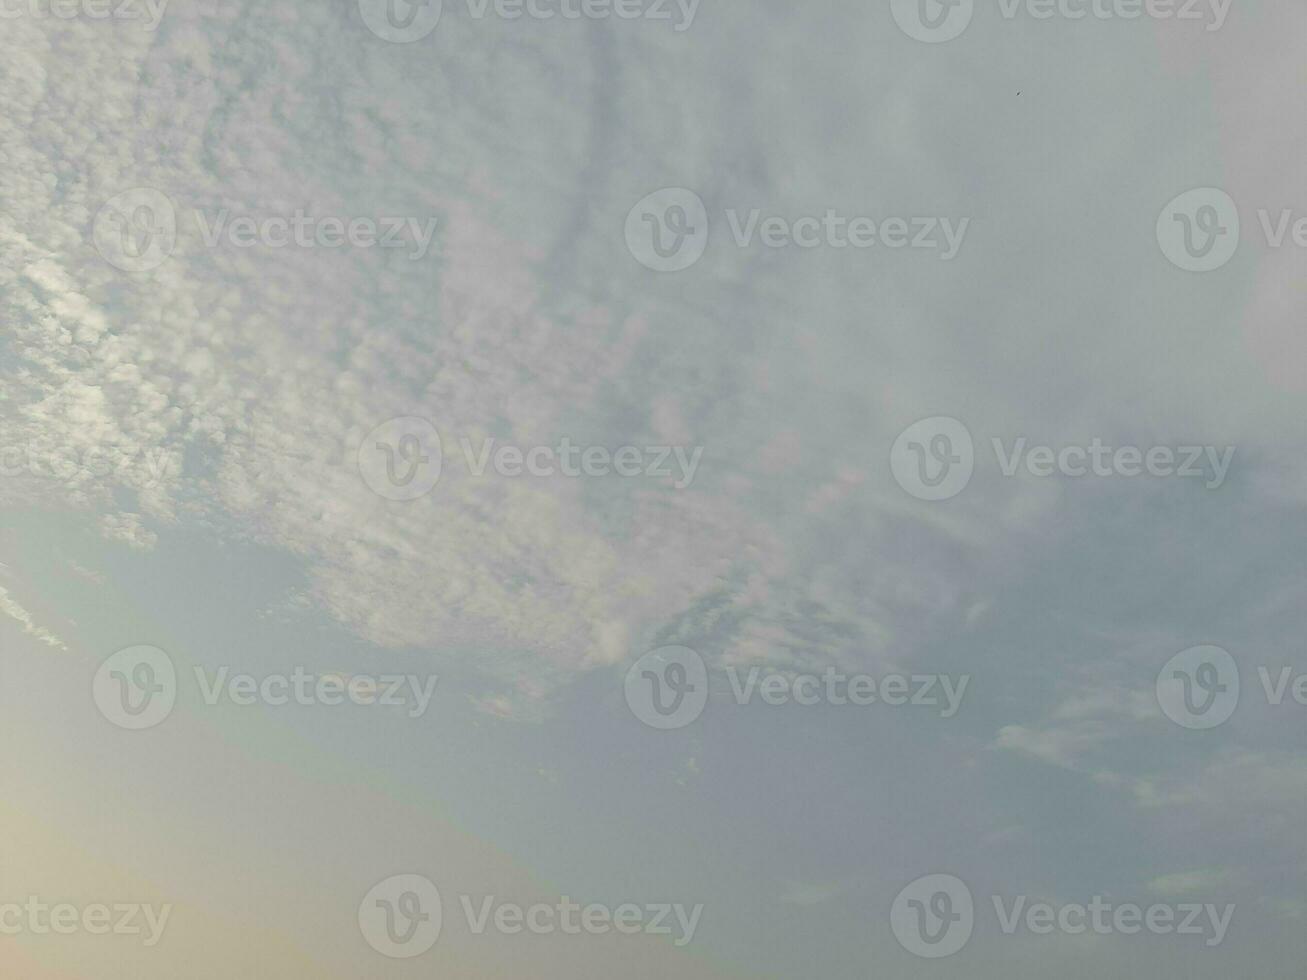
x=820 y=485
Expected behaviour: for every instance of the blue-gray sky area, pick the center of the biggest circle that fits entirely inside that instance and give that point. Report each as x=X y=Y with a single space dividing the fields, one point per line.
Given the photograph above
x=733 y=490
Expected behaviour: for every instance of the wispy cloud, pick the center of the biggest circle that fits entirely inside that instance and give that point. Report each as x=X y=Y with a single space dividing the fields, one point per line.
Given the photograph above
x=14 y=610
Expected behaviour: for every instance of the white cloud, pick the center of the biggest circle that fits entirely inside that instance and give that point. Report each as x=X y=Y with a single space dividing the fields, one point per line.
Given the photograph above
x=14 y=610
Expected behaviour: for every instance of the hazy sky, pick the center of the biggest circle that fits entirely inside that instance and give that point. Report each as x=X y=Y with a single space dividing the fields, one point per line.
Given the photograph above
x=835 y=342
